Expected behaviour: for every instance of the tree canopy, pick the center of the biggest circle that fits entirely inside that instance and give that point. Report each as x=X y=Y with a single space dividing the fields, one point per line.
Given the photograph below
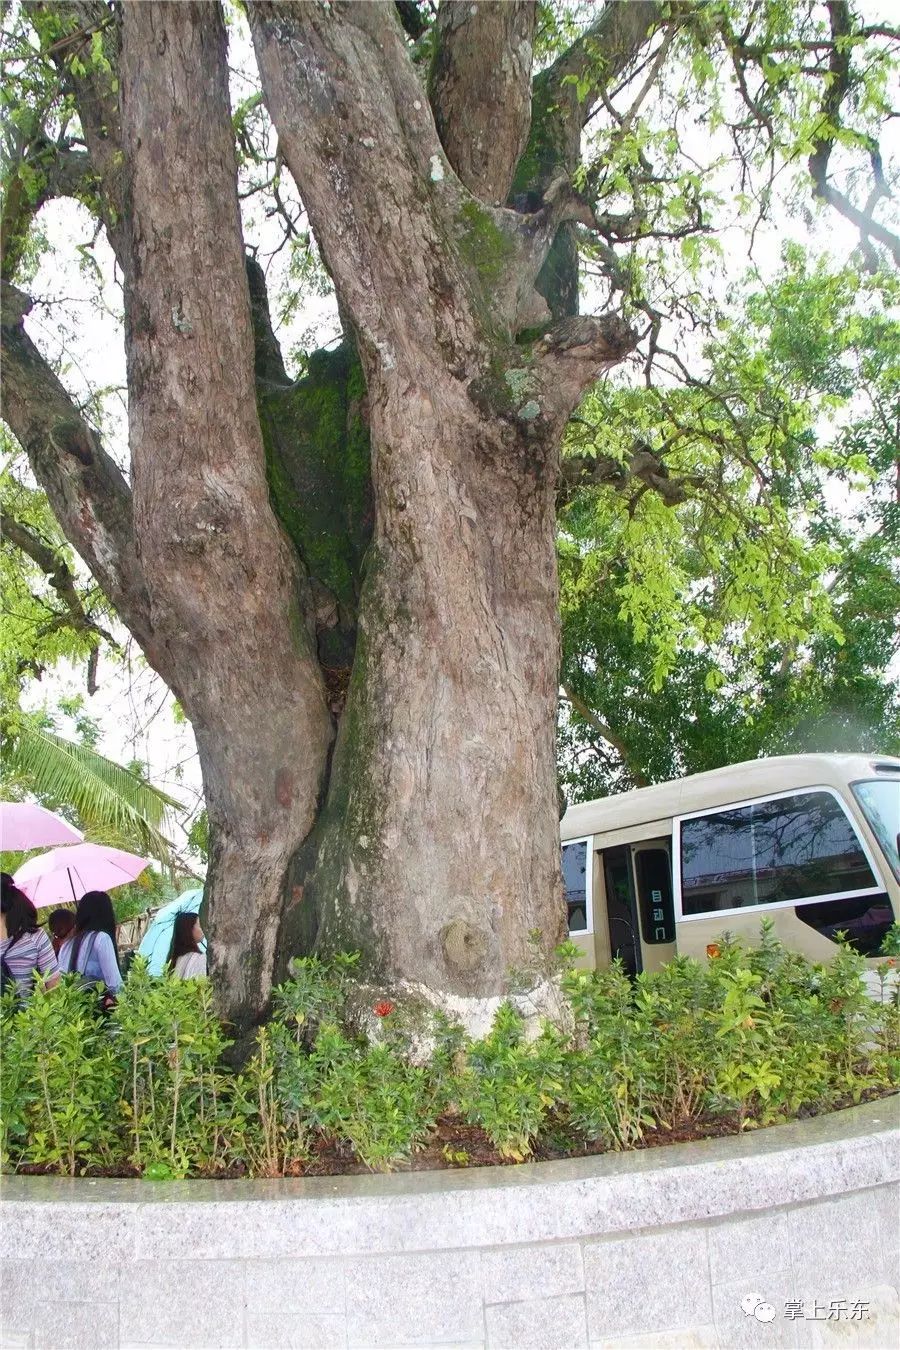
x=747 y=601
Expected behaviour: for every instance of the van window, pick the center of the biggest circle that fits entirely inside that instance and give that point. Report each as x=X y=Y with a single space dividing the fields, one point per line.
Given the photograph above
x=576 y=885
x=784 y=849
x=880 y=802
x=654 y=887
x=863 y=921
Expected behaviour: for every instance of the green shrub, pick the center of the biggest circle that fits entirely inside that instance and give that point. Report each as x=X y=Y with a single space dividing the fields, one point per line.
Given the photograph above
x=365 y=1095
x=316 y=992
x=508 y=1085
x=890 y=943
x=751 y=1037
x=755 y=1034
x=59 y=1085
x=266 y=1131
x=611 y=1066
x=175 y=1096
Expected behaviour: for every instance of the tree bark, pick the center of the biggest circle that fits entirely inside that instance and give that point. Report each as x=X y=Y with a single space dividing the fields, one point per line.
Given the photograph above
x=480 y=90
x=438 y=850
x=226 y=593
x=438 y=854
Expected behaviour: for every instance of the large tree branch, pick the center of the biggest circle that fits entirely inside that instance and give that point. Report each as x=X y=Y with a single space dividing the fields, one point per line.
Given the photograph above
x=604 y=731
x=480 y=90
x=86 y=489
x=596 y=60
x=231 y=599
x=602 y=54
x=46 y=170
x=643 y=464
x=838 y=80
x=570 y=358
x=94 y=85
x=358 y=135
x=837 y=88
x=58 y=573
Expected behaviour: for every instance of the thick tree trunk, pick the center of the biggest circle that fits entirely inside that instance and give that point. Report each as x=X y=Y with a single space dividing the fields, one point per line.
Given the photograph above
x=226 y=595
x=482 y=60
x=438 y=851
x=440 y=847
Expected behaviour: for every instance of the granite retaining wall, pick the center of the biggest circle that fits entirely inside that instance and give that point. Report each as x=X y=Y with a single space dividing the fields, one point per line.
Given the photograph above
x=784 y=1237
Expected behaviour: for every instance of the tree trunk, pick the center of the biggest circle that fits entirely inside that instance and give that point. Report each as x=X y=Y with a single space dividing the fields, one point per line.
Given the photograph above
x=438 y=851
x=440 y=846
x=226 y=594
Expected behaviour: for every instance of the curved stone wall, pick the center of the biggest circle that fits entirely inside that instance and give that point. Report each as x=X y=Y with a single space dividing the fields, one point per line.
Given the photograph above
x=799 y=1224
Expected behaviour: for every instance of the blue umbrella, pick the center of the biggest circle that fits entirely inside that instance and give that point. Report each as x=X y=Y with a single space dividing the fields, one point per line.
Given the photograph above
x=158 y=938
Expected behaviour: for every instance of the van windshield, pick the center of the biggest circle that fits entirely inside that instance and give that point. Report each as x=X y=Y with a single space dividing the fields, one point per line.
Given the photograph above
x=880 y=802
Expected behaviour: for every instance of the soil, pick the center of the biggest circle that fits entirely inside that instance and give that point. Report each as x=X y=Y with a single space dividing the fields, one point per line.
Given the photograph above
x=456 y=1146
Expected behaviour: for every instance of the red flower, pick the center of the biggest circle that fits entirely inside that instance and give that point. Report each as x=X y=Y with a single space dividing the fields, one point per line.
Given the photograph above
x=713 y=949
x=892 y=960
x=383 y=1008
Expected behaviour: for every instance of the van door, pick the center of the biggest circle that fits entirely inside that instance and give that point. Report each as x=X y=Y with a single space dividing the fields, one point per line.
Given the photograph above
x=652 y=861
x=621 y=911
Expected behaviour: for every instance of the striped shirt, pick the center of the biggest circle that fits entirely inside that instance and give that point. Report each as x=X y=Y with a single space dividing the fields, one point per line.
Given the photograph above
x=29 y=952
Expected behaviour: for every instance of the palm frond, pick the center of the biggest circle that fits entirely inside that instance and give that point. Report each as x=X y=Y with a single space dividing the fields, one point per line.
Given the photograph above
x=105 y=795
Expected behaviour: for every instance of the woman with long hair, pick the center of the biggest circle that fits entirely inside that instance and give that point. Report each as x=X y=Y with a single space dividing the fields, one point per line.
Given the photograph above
x=186 y=961
x=25 y=949
x=92 y=950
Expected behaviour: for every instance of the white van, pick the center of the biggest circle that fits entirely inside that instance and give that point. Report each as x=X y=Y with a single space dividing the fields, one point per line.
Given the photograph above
x=810 y=841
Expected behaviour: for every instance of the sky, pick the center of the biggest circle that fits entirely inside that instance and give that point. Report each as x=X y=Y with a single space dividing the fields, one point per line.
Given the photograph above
x=76 y=320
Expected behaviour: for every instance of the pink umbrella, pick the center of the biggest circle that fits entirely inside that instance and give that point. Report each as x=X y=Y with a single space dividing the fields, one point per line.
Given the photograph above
x=64 y=874
x=24 y=826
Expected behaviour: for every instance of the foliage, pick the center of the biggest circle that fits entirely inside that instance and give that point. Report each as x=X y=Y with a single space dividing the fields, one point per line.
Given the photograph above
x=330 y=1077
x=60 y=1084
x=174 y=1092
x=366 y=1095
x=107 y=799
x=735 y=591
x=50 y=613
x=509 y=1085
x=890 y=945
x=755 y=1036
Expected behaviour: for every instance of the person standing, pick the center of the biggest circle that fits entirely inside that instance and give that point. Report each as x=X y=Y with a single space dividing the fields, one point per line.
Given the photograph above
x=25 y=949
x=186 y=961
x=91 y=951
x=61 y=925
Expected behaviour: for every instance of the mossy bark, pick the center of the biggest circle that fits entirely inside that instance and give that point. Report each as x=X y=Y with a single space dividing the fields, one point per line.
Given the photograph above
x=316 y=440
x=436 y=854
x=554 y=143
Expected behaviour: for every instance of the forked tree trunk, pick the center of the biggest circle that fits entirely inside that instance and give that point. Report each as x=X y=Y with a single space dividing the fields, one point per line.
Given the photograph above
x=437 y=851
x=440 y=846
